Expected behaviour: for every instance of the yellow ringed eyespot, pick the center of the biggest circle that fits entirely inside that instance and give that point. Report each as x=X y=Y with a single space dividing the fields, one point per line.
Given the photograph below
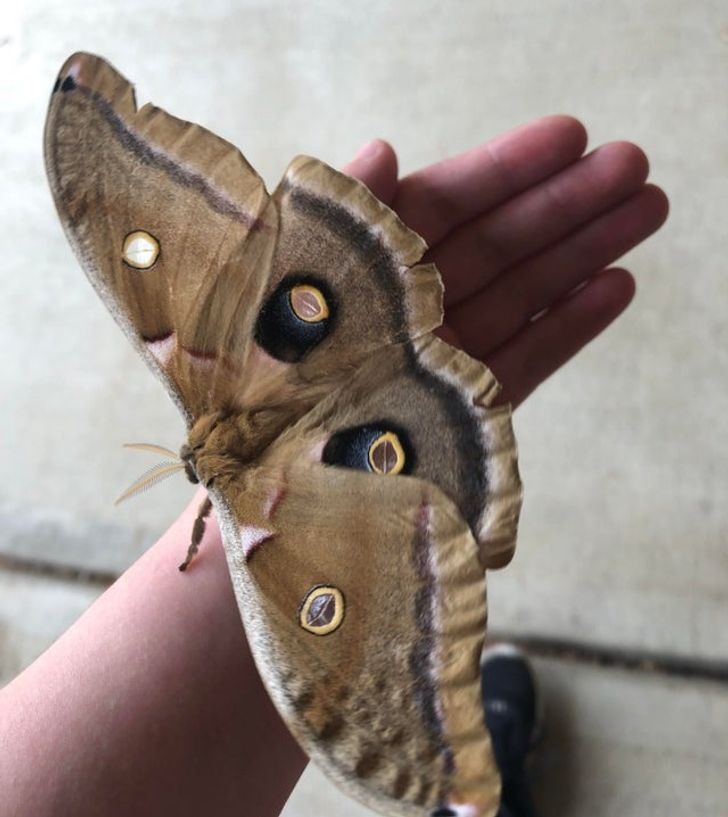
x=140 y=250
x=386 y=455
x=322 y=611
x=309 y=303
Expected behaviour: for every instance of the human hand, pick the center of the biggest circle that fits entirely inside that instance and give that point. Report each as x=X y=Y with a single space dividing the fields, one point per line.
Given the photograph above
x=523 y=229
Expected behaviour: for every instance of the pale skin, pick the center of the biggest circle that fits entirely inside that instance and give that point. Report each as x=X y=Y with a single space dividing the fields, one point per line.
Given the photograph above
x=151 y=704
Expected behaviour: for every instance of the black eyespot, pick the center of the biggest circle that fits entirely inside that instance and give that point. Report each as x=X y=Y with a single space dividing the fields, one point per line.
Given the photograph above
x=443 y=812
x=68 y=84
x=295 y=318
x=381 y=448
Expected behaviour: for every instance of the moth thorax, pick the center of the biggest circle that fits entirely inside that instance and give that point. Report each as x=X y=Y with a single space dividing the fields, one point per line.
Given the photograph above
x=221 y=445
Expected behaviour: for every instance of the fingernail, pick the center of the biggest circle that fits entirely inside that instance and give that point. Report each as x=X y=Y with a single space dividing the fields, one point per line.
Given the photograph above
x=370 y=150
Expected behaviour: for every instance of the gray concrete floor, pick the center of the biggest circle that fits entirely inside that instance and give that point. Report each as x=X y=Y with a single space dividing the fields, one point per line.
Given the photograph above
x=623 y=542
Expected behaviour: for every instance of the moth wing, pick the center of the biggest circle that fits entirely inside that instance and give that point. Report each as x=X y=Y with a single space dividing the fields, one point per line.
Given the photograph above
x=179 y=236
x=336 y=236
x=173 y=227
x=387 y=702
x=440 y=401
x=363 y=594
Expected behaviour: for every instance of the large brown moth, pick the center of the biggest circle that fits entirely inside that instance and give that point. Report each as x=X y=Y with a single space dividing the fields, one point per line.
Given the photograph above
x=361 y=476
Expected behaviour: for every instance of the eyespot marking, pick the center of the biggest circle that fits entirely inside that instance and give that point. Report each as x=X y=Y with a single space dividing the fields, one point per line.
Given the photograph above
x=140 y=250
x=381 y=448
x=386 y=455
x=309 y=303
x=322 y=610
x=295 y=318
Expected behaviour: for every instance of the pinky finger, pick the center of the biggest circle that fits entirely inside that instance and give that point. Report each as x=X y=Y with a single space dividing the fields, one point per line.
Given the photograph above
x=542 y=347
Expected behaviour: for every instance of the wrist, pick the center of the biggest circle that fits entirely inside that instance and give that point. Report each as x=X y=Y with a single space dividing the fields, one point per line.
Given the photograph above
x=150 y=703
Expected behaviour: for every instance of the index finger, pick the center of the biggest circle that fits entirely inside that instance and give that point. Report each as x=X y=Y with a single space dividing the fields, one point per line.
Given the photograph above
x=437 y=199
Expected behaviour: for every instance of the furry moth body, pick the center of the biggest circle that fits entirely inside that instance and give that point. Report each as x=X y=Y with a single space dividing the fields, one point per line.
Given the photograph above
x=361 y=476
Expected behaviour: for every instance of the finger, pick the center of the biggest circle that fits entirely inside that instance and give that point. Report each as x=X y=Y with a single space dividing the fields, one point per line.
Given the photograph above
x=545 y=345
x=515 y=297
x=477 y=252
x=376 y=165
x=435 y=200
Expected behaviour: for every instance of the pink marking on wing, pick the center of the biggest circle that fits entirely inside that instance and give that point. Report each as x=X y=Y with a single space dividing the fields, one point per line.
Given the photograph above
x=316 y=452
x=424 y=517
x=205 y=360
x=263 y=362
x=273 y=500
x=251 y=538
x=74 y=69
x=209 y=360
x=465 y=809
x=203 y=356
x=162 y=347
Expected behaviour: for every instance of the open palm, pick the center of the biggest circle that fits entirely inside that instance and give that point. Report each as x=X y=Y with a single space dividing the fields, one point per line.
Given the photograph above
x=523 y=230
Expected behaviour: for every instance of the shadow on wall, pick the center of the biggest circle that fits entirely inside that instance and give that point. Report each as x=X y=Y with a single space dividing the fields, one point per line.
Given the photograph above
x=555 y=767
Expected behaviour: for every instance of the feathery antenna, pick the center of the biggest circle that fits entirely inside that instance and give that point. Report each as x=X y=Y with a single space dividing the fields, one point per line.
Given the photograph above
x=155 y=474
x=154 y=449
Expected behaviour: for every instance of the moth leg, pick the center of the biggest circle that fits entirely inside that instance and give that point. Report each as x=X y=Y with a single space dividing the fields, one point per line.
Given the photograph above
x=198 y=531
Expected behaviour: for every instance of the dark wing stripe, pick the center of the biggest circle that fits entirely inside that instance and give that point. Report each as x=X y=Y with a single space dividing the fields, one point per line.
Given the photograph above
x=360 y=236
x=183 y=176
x=422 y=654
x=471 y=447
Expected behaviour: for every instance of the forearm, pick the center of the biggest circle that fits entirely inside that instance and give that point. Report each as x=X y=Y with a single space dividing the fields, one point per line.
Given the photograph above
x=149 y=704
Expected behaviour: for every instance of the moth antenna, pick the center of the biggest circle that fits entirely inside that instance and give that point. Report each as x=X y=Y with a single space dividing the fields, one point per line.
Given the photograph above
x=154 y=449
x=151 y=477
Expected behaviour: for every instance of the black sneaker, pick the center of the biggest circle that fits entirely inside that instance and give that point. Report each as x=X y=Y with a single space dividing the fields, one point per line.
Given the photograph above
x=512 y=713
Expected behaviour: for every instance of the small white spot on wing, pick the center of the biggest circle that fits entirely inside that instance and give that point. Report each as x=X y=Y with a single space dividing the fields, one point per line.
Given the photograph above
x=140 y=250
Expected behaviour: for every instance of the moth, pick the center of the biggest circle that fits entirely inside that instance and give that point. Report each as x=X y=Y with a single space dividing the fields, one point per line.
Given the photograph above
x=362 y=477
